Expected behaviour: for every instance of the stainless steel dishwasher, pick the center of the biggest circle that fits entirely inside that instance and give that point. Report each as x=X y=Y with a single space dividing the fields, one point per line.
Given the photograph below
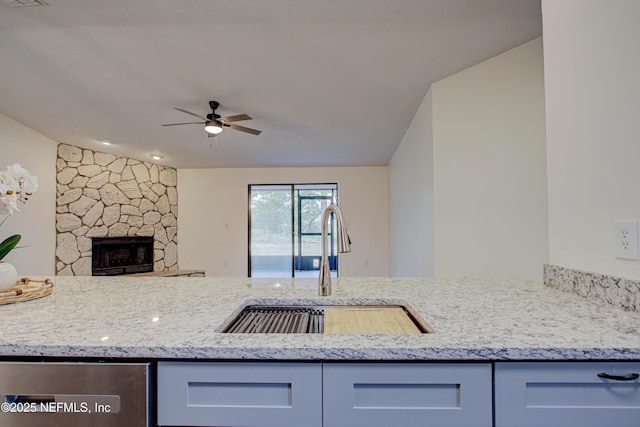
x=50 y=394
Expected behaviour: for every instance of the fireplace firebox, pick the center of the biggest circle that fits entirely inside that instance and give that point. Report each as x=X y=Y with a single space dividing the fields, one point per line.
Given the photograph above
x=112 y=256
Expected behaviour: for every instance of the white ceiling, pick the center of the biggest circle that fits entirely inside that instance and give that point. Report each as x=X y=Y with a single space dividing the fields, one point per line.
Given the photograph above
x=329 y=82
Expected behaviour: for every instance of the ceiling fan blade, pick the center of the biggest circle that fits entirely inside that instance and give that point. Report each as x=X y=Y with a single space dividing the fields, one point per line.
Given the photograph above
x=245 y=129
x=178 y=124
x=237 y=118
x=190 y=113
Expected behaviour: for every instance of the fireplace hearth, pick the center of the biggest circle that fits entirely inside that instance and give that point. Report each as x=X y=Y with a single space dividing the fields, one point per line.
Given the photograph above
x=112 y=256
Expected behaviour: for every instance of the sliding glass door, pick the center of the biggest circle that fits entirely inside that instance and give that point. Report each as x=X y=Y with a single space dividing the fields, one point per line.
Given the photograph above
x=270 y=230
x=285 y=229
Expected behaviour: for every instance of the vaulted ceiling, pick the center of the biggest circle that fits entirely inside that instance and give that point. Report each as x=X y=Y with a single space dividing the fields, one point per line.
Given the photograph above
x=329 y=83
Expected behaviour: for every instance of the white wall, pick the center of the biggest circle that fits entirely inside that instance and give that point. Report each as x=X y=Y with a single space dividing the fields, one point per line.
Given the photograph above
x=592 y=74
x=470 y=174
x=209 y=199
x=411 y=199
x=36 y=219
x=490 y=168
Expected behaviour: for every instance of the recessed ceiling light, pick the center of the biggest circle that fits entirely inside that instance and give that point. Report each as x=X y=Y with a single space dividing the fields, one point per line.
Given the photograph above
x=157 y=156
x=106 y=142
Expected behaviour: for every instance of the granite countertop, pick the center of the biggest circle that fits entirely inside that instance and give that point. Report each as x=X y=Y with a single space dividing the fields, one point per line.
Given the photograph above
x=179 y=318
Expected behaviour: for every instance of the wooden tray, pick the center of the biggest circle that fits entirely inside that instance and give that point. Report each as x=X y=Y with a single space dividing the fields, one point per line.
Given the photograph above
x=25 y=290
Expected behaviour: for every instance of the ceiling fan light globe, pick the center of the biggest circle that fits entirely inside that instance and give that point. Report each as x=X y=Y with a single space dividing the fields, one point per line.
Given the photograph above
x=213 y=127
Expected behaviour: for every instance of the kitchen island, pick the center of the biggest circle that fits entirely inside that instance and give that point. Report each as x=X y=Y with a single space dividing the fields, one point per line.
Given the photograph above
x=502 y=352
x=181 y=318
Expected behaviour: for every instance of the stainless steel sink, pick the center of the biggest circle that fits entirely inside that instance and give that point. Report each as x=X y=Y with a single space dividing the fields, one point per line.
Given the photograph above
x=297 y=319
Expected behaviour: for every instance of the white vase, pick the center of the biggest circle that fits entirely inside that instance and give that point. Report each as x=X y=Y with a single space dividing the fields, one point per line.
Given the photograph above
x=8 y=276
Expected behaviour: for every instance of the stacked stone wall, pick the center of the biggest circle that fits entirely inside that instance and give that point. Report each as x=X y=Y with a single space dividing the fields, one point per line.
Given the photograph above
x=101 y=195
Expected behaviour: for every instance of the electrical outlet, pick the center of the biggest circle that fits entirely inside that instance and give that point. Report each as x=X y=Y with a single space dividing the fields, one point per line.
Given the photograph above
x=626 y=239
x=226 y=264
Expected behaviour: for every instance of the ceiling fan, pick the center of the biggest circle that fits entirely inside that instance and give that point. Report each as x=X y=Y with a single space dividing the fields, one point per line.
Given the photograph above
x=214 y=123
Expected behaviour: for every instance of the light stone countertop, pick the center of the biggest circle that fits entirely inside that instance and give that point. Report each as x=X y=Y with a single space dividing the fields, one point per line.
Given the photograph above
x=473 y=319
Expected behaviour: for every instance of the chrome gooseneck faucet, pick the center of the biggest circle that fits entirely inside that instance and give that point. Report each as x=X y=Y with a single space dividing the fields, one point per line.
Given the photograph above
x=344 y=245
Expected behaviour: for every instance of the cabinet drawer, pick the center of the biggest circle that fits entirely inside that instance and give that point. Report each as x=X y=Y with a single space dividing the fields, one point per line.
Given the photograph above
x=405 y=394
x=565 y=393
x=239 y=394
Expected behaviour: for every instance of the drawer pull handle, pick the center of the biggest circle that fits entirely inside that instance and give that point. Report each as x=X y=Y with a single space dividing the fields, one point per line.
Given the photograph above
x=628 y=377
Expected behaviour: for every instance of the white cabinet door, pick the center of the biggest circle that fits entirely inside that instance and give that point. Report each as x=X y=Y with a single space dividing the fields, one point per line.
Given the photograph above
x=567 y=394
x=239 y=394
x=407 y=394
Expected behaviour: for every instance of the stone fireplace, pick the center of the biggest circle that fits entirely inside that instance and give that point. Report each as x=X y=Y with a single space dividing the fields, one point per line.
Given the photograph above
x=100 y=195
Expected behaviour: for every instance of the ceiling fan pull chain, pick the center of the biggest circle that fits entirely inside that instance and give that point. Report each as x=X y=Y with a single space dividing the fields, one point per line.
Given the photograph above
x=215 y=139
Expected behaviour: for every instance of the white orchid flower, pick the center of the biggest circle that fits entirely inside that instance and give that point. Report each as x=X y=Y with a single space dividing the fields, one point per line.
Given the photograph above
x=16 y=184
x=26 y=182
x=8 y=199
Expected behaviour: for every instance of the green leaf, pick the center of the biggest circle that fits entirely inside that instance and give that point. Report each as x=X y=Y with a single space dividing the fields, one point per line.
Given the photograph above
x=8 y=244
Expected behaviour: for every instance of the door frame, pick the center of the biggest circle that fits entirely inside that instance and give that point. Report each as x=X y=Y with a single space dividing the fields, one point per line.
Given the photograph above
x=293 y=222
